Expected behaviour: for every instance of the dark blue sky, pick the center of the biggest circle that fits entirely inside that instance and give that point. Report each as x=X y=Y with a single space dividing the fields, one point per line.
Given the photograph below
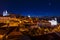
x=31 y=7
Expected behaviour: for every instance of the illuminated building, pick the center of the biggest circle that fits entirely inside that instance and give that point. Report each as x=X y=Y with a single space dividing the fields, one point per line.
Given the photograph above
x=53 y=22
x=28 y=15
x=5 y=13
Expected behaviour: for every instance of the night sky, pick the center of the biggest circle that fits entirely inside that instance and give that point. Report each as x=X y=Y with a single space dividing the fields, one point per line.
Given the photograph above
x=31 y=7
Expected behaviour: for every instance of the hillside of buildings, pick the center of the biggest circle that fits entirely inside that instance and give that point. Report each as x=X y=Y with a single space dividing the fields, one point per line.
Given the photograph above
x=15 y=25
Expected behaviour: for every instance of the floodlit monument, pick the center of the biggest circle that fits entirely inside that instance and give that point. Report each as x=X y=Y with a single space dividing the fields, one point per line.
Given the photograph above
x=5 y=13
x=53 y=22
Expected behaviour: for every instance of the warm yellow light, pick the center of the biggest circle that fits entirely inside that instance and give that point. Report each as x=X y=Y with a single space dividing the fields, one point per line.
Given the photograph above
x=1 y=36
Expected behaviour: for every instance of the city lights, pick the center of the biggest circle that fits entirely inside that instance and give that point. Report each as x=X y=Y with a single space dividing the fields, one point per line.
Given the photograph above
x=34 y=26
